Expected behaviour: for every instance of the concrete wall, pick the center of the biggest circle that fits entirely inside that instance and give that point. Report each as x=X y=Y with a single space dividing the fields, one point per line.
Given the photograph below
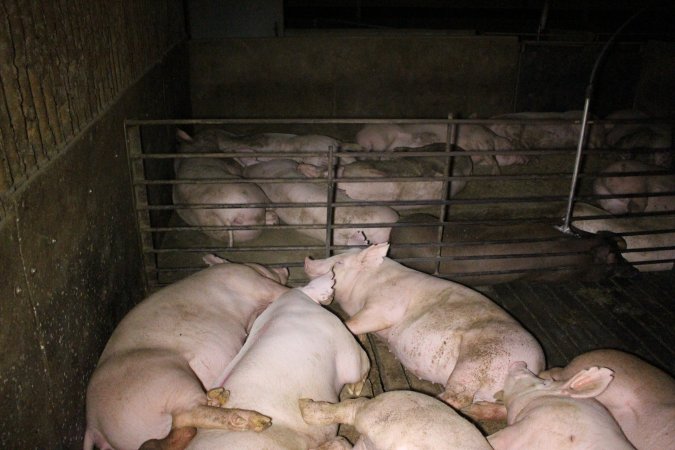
x=68 y=244
x=413 y=75
x=360 y=76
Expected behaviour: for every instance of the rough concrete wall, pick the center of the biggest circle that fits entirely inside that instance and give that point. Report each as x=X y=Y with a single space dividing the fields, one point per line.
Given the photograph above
x=657 y=80
x=68 y=243
x=63 y=63
x=364 y=76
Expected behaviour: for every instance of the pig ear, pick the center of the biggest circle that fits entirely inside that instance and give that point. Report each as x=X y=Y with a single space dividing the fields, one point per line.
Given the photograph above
x=373 y=255
x=212 y=260
x=282 y=272
x=183 y=136
x=588 y=383
x=315 y=268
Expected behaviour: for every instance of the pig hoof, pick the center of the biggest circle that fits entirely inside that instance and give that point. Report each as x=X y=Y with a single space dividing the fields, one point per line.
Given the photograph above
x=355 y=389
x=217 y=397
x=249 y=420
x=314 y=412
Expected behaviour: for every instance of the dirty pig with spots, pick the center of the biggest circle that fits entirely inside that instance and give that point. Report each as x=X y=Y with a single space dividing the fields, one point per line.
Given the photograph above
x=296 y=349
x=152 y=375
x=557 y=415
x=440 y=330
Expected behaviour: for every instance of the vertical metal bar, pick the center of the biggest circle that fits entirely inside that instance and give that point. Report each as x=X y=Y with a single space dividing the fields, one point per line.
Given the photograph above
x=140 y=197
x=565 y=228
x=451 y=133
x=330 y=199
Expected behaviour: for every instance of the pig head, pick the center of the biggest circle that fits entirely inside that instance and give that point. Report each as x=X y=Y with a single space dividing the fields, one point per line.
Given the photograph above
x=440 y=330
x=557 y=415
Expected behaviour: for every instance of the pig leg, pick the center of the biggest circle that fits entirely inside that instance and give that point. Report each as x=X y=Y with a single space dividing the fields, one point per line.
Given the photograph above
x=326 y=413
x=178 y=439
x=217 y=397
x=204 y=416
x=370 y=319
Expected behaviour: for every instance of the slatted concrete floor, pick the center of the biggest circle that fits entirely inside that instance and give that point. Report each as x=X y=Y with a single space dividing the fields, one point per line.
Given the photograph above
x=635 y=315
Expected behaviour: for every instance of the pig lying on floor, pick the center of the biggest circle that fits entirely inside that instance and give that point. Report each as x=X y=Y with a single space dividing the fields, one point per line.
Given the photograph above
x=544 y=253
x=398 y=420
x=152 y=373
x=641 y=398
x=441 y=331
x=557 y=415
x=391 y=190
x=387 y=137
x=296 y=349
x=635 y=184
x=650 y=243
x=304 y=192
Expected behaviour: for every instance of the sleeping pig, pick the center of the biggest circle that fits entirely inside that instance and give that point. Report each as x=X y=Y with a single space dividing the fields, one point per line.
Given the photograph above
x=441 y=331
x=635 y=184
x=556 y=415
x=305 y=192
x=641 y=398
x=172 y=346
x=296 y=349
x=398 y=420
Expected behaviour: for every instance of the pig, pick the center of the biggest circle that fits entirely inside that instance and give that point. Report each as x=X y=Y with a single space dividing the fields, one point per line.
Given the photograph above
x=649 y=244
x=554 y=415
x=635 y=184
x=640 y=136
x=398 y=420
x=220 y=193
x=299 y=192
x=441 y=331
x=387 y=137
x=296 y=349
x=543 y=252
x=641 y=398
x=526 y=133
x=316 y=146
x=152 y=373
x=392 y=190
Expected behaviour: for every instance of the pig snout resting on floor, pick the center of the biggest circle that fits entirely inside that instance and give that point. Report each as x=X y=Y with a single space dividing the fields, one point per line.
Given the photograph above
x=226 y=193
x=641 y=398
x=441 y=331
x=152 y=373
x=552 y=415
x=530 y=251
x=391 y=190
x=635 y=184
x=398 y=420
x=386 y=137
x=650 y=244
x=296 y=349
x=299 y=192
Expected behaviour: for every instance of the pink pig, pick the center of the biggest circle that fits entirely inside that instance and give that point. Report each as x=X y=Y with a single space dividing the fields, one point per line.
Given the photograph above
x=440 y=330
x=152 y=373
x=641 y=398
x=296 y=349
x=556 y=415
